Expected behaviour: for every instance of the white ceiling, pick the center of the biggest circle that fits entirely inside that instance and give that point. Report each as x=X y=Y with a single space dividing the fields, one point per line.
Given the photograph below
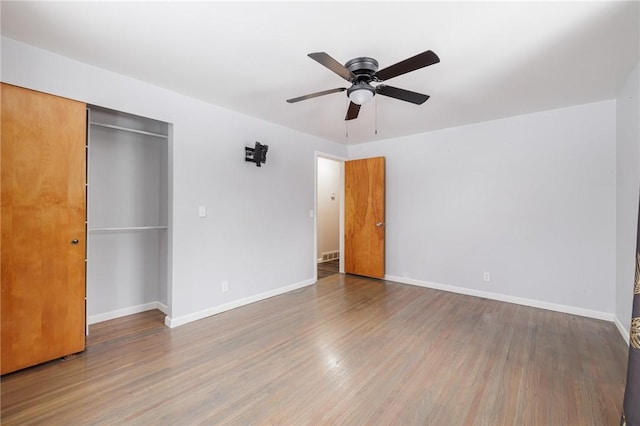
x=498 y=59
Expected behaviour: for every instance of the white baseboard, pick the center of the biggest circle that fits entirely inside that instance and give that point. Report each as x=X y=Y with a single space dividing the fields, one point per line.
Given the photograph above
x=93 y=319
x=319 y=261
x=162 y=308
x=175 y=322
x=506 y=298
x=622 y=329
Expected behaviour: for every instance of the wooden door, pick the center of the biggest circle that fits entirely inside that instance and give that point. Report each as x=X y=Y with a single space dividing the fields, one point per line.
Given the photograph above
x=43 y=227
x=364 y=217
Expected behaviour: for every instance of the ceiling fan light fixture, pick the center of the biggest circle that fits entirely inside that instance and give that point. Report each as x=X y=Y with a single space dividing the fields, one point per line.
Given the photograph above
x=361 y=93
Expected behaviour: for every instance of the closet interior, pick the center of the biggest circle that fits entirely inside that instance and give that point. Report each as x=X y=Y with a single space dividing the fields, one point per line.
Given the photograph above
x=127 y=214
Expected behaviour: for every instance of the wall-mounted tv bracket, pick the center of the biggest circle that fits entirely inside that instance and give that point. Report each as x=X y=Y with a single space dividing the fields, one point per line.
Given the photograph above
x=257 y=155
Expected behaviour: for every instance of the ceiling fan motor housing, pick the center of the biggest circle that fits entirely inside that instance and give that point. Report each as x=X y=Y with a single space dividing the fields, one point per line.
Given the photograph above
x=363 y=69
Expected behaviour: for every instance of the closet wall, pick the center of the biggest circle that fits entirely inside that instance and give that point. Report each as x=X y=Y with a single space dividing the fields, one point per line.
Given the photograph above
x=127 y=214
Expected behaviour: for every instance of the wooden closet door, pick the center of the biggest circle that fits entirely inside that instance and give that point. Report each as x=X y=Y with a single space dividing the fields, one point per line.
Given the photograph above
x=43 y=227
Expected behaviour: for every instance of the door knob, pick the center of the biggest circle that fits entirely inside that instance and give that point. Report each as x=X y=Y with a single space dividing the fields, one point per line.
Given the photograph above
x=380 y=224
x=74 y=242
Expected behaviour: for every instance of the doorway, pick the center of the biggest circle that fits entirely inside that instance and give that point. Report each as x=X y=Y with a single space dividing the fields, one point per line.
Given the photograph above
x=329 y=216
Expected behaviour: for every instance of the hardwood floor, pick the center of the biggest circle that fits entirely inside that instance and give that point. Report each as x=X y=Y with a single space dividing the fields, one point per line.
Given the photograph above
x=347 y=350
x=327 y=269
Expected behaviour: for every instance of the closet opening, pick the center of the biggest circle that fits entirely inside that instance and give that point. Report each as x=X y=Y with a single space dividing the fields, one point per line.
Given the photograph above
x=127 y=215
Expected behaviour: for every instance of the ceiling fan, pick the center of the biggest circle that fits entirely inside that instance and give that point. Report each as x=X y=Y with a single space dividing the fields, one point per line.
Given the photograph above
x=361 y=72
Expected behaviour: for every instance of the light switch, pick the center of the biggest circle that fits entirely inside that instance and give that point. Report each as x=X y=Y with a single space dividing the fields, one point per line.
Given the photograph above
x=311 y=213
x=202 y=211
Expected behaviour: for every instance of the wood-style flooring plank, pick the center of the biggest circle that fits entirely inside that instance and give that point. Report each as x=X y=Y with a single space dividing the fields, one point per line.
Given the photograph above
x=348 y=350
x=327 y=269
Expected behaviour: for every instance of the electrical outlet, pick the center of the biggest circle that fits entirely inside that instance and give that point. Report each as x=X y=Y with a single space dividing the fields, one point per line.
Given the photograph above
x=225 y=286
x=486 y=277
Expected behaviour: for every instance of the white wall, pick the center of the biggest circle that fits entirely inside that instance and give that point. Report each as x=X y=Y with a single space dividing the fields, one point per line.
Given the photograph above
x=258 y=235
x=530 y=199
x=627 y=187
x=328 y=206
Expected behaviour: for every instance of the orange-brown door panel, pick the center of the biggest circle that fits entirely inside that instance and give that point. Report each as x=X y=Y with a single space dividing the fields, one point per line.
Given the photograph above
x=365 y=217
x=43 y=227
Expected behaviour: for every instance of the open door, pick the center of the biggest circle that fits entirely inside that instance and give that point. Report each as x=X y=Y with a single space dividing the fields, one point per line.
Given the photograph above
x=364 y=224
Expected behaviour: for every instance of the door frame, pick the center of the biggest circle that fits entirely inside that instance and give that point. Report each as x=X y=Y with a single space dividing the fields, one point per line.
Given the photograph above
x=341 y=160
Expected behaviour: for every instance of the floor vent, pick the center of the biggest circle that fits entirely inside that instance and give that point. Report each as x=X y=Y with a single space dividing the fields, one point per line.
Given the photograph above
x=330 y=255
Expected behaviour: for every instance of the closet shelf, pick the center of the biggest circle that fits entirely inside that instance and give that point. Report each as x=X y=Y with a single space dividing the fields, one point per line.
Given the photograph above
x=126 y=129
x=127 y=228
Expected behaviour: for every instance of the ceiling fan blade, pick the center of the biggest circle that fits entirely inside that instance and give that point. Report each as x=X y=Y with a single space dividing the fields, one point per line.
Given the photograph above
x=315 y=95
x=352 y=112
x=421 y=60
x=324 y=59
x=403 y=95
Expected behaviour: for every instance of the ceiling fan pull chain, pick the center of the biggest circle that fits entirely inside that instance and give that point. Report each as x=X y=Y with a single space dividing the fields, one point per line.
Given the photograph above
x=375 y=100
x=346 y=122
